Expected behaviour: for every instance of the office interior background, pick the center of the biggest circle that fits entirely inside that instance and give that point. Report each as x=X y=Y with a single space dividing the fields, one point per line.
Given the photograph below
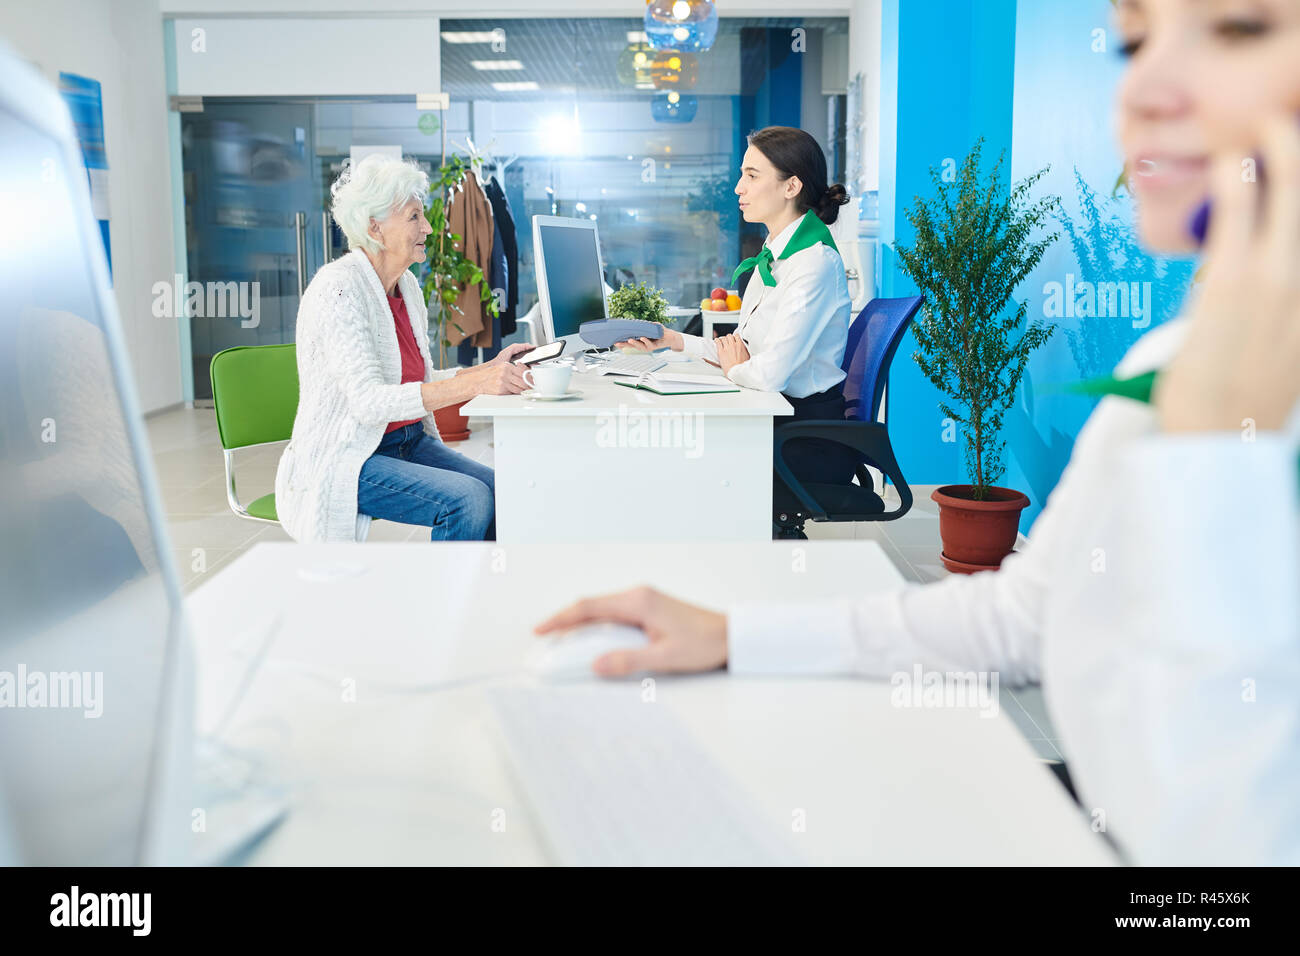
x=892 y=89
x=224 y=123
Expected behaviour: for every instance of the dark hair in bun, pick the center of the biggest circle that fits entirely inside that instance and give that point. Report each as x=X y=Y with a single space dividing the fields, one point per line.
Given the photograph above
x=829 y=206
x=795 y=153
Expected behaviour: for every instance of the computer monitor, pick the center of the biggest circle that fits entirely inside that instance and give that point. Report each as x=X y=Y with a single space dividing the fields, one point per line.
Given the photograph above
x=94 y=709
x=570 y=282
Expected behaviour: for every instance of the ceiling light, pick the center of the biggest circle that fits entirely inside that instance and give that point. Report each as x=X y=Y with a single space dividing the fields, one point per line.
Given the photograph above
x=469 y=36
x=515 y=87
x=690 y=25
x=561 y=134
x=496 y=64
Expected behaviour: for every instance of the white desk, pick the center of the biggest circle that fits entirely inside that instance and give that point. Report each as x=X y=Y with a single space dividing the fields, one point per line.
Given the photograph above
x=580 y=469
x=406 y=774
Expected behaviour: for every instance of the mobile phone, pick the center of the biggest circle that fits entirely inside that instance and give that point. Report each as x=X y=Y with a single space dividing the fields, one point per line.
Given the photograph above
x=1199 y=224
x=541 y=353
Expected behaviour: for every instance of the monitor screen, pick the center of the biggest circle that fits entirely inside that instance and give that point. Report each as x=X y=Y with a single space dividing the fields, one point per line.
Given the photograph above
x=87 y=608
x=574 y=282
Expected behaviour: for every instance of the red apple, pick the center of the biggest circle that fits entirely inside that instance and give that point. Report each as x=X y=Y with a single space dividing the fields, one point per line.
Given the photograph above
x=718 y=294
x=719 y=305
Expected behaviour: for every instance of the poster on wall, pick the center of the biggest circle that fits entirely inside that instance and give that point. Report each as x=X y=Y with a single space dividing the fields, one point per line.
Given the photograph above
x=86 y=104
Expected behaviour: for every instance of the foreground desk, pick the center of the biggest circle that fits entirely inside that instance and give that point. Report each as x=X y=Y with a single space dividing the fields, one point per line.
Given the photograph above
x=369 y=701
x=581 y=469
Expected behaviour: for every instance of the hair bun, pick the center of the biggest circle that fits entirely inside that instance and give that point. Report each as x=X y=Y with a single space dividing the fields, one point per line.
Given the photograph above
x=828 y=208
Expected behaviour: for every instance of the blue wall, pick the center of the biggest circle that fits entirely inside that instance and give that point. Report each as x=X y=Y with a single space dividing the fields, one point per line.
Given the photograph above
x=1065 y=81
x=947 y=79
x=1026 y=77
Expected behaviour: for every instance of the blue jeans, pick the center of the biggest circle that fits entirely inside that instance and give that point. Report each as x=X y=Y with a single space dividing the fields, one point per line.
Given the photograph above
x=414 y=479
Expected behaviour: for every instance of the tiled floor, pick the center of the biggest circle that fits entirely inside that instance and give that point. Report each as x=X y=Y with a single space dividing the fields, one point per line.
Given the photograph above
x=205 y=534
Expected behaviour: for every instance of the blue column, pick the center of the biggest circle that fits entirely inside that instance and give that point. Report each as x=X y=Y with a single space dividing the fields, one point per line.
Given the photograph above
x=948 y=78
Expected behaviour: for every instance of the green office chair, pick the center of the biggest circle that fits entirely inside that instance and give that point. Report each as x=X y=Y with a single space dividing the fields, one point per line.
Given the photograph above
x=255 y=393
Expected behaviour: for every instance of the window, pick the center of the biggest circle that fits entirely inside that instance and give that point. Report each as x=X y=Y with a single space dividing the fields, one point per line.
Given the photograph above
x=649 y=146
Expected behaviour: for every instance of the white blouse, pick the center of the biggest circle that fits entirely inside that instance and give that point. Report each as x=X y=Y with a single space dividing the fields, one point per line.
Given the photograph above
x=796 y=330
x=1162 y=619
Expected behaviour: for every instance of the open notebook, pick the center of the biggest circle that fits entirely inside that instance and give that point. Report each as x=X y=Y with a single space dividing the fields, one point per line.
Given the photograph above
x=664 y=382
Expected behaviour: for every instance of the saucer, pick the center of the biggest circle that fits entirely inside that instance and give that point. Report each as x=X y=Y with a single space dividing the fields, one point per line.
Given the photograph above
x=532 y=395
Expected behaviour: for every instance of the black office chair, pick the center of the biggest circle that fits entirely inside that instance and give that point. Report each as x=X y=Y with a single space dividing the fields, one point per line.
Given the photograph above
x=873 y=339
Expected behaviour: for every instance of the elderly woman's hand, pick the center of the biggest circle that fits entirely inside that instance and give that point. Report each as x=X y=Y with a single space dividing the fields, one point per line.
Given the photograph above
x=510 y=353
x=496 y=378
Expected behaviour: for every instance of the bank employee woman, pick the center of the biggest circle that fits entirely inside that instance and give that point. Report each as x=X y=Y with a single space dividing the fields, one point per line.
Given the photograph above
x=794 y=316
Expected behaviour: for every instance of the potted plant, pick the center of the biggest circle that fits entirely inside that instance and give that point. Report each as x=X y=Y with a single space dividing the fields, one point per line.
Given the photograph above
x=447 y=273
x=639 y=302
x=975 y=243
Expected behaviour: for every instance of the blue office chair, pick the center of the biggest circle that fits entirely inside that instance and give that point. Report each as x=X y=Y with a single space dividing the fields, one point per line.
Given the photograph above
x=873 y=339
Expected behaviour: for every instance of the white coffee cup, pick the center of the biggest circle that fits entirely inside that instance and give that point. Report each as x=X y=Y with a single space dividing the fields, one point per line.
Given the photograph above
x=549 y=381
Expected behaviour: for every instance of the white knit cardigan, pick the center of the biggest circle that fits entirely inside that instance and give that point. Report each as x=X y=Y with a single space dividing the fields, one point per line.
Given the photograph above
x=349 y=380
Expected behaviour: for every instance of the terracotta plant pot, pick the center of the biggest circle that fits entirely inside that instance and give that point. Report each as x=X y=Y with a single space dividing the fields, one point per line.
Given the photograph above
x=452 y=425
x=977 y=535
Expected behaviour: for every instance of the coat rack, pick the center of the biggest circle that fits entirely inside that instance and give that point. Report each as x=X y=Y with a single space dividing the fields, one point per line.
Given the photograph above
x=481 y=156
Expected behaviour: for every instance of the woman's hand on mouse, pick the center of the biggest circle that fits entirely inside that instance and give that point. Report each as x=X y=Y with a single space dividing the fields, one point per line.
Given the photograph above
x=682 y=637
x=1239 y=365
x=670 y=339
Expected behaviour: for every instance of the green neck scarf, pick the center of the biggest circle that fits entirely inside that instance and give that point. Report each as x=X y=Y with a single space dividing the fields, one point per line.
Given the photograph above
x=1138 y=388
x=810 y=231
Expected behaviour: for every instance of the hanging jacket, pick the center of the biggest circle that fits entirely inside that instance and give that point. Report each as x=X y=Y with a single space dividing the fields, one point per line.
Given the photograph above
x=465 y=354
x=469 y=215
x=510 y=241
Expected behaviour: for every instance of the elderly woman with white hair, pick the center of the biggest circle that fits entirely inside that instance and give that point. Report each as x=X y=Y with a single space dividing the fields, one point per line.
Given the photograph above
x=364 y=442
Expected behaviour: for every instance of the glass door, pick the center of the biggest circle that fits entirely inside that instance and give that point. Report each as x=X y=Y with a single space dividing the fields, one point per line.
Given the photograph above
x=253 y=214
x=257 y=177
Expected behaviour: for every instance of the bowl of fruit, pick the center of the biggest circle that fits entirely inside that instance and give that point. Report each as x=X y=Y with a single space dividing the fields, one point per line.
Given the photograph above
x=721 y=300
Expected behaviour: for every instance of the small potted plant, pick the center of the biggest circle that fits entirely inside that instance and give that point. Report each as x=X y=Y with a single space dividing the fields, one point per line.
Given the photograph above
x=447 y=273
x=975 y=243
x=639 y=301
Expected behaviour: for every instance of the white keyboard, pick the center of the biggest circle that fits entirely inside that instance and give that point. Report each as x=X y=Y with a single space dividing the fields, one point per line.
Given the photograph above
x=614 y=781
x=631 y=364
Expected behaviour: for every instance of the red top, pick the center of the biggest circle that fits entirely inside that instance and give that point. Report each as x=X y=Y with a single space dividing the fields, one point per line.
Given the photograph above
x=412 y=360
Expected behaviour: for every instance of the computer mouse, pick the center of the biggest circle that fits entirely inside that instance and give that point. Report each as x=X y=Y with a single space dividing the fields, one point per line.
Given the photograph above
x=569 y=656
